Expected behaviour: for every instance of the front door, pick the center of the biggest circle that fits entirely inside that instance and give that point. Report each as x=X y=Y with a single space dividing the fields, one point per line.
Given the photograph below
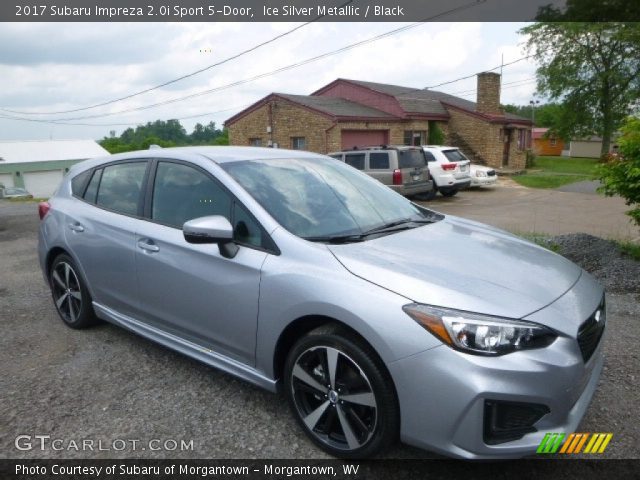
x=506 y=146
x=191 y=290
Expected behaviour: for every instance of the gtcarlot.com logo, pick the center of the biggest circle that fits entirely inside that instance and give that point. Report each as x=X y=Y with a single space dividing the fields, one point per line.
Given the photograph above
x=574 y=443
x=46 y=442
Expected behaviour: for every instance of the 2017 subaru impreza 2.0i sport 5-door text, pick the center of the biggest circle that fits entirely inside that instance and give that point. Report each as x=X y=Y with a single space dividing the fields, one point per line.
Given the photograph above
x=378 y=318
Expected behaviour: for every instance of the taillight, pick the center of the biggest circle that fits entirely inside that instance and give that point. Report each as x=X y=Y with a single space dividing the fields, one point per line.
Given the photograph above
x=397 y=177
x=449 y=166
x=43 y=209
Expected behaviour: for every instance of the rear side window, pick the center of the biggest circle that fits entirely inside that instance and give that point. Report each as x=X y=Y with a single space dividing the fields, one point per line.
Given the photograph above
x=92 y=189
x=120 y=187
x=182 y=193
x=455 y=155
x=379 y=161
x=429 y=156
x=337 y=156
x=411 y=158
x=79 y=182
x=356 y=160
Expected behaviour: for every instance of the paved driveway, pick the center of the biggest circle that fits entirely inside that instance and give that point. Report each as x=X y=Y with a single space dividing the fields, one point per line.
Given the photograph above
x=526 y=210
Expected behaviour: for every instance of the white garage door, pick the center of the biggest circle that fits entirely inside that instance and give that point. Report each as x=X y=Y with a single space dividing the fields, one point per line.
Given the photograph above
x=6 y=179
x=42 y=184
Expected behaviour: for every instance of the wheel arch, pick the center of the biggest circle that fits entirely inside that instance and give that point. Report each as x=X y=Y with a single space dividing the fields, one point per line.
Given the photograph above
x=303 y=325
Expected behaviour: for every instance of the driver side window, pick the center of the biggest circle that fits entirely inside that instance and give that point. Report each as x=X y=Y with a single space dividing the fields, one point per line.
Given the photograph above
x=182 y=193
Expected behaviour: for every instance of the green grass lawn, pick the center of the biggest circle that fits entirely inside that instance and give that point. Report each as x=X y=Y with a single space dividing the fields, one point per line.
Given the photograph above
x=553 y=172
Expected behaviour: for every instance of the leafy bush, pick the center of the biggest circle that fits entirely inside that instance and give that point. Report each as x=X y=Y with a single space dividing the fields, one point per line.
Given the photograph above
x=621 y=174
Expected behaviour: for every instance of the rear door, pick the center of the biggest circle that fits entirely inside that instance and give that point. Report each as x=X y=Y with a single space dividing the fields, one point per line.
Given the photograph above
x=412 y=164
x=379 y=167
x=100 y=231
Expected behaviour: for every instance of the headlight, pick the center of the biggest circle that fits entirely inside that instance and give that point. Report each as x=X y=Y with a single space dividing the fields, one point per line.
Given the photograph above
x=480 y=334
x=481 y=173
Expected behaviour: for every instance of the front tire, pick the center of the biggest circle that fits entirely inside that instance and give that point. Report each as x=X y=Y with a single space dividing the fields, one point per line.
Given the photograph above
x=70 y=294
x=340 y=394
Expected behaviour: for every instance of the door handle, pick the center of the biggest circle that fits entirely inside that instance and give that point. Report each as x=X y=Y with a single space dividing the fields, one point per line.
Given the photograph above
x=76 y=227
x=148 y=246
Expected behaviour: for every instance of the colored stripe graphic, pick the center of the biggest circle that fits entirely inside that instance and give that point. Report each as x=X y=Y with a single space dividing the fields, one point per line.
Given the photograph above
x=550 y=443
x=597 y=443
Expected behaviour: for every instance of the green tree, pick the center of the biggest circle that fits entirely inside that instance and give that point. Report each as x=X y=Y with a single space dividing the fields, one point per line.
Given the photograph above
x=621 y=174
x=592 y=68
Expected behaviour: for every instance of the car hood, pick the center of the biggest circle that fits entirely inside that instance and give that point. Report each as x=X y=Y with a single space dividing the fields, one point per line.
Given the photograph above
x=462 y=264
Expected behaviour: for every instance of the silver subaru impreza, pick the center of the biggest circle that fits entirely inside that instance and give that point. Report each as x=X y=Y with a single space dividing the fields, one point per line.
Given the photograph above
x=376 y=317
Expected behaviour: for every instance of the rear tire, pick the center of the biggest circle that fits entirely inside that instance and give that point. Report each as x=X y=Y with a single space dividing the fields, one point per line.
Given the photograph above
x=448 y=193
x=340 y=394
x=70 y=294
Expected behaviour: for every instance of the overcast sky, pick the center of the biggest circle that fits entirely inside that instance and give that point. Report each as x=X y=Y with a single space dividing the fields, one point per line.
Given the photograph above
x=52 y=67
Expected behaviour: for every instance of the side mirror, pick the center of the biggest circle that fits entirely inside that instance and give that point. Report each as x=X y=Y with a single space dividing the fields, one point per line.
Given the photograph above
x=211 y=229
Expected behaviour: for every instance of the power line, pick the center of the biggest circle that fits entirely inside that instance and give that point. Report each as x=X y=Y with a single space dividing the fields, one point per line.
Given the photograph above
x=475 y=74
x=473 y=90
x=169 y=82
x=281 y=69
x=55 y=122
x=503 y=88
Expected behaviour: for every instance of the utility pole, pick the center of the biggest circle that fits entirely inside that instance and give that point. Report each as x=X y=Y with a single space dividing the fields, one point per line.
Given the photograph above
x=533 y=104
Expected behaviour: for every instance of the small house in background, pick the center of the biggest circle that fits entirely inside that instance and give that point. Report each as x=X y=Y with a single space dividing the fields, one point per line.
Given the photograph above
x=589 y=147
x=39 y=165
x=545 y=143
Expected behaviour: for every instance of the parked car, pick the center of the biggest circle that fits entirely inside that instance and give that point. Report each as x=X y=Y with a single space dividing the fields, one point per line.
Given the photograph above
x=14 y=192
x=482 y=176
x=403 y=168
x=449 y=169
x=376 y=317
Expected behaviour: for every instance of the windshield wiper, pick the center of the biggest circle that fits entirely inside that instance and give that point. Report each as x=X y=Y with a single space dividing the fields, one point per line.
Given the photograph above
x=396 y=226
x=336 y=238
x=405 y=223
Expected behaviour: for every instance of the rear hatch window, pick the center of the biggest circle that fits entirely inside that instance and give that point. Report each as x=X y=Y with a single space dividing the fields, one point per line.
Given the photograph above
x=411 y=158
x=455 y=155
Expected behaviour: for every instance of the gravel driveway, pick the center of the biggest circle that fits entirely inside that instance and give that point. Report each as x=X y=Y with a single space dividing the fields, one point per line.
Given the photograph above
x=105 y=383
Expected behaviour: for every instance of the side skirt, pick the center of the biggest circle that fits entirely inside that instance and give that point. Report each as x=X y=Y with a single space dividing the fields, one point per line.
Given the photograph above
x=186 y=347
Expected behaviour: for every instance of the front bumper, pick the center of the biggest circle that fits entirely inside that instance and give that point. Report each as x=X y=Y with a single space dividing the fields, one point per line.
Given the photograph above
x=484 y=181
x=443 y=392
x=444 y=412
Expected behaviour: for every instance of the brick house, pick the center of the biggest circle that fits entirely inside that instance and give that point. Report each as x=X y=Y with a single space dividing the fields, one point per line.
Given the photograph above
x=351 y=113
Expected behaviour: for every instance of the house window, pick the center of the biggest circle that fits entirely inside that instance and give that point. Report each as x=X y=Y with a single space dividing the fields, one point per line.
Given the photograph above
x=415 y=137
x=298 y=143
x=553 y=142
x=522 y=139
x=255 y=142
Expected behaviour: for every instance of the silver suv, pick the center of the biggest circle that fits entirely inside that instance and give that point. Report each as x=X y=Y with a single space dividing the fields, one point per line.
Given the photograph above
x=403 y=168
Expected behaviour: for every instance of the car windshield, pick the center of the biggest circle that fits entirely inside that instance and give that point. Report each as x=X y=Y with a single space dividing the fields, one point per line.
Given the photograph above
x=320 y=198
x=454 y=155
x=411 y=158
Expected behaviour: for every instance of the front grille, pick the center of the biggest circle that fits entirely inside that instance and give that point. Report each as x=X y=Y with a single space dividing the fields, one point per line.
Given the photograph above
x=491 y=173
x=508 y=421
x=590 y=332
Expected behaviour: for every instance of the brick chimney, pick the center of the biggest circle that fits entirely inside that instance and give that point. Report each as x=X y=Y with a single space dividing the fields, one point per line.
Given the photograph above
x=489 y=93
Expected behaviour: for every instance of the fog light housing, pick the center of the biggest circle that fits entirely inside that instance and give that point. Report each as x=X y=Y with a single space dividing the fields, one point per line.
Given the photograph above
x=508 y=421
